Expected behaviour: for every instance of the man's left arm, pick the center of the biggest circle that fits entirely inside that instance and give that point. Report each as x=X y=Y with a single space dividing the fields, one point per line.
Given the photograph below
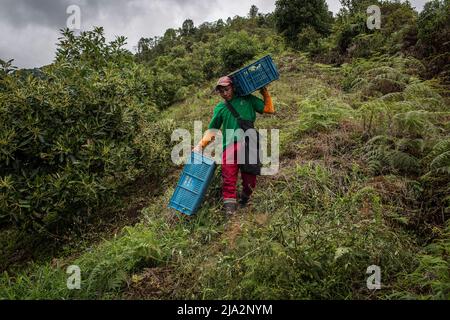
x=268 y=105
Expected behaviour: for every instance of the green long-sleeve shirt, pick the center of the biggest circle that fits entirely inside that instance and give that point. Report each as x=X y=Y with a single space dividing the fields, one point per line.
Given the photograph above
x=223 y=119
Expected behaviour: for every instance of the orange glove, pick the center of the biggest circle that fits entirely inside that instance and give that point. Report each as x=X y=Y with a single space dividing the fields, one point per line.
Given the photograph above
x=268 y=105
x=207 y=138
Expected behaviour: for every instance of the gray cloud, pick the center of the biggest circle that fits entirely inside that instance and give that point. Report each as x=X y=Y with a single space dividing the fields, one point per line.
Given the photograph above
x=22 y=13
x=29 y=29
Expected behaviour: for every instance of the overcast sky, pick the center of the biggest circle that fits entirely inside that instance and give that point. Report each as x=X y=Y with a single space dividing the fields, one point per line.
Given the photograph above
x=29 y=29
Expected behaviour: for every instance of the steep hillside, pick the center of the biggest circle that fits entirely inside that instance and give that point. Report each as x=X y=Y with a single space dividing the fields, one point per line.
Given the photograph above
x=334 y=209
x=364 y=181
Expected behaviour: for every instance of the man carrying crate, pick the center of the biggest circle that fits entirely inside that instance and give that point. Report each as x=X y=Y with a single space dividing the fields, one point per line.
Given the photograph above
x=223 y=118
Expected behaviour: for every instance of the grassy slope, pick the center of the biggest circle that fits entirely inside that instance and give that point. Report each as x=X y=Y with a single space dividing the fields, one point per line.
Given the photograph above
x=312 y=231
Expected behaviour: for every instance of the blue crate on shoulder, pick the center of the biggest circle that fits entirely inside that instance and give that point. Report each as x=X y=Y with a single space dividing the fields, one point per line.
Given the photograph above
x=193 y=184
x=254 y=76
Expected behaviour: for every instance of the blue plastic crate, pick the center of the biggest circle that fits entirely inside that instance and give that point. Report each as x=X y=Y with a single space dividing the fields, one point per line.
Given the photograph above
x=193 y=184
x=254 y=76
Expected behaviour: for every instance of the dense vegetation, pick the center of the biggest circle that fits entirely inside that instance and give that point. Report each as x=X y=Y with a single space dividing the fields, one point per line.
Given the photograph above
x=365 y=175
x=76 y=132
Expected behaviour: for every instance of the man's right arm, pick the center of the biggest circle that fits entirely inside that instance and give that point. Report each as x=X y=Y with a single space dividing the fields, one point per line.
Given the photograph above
x=207 y=138
x=210 y=134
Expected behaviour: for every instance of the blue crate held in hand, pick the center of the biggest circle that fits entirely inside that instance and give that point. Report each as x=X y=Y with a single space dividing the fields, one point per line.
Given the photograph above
x=193 y=184
x=254 y=76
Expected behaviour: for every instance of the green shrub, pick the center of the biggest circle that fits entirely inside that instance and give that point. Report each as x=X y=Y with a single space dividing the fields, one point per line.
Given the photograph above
x=347 y=28
x=433 y=27
x=323 y=231
x=364 y=44
x=293 y=16
x=308 y=39
x=381 y=75
x=431 y=279
x=72 y=136
x=236 y=49
x=316 y=116
x=434 y=34
x=164 y=88
x=104 y=270
x=155 y=147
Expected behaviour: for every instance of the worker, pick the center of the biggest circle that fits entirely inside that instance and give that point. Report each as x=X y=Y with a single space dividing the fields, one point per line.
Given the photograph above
x=246 y=107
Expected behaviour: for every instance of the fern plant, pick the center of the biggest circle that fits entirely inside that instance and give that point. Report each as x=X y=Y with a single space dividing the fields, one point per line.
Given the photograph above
x=414 y=124
x=439 y=158
x=317 y=115
x=431 y=278
x=381 y=75
x=383 y=155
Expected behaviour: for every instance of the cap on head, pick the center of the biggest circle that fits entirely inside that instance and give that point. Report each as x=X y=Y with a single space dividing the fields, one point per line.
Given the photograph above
x=224 y=81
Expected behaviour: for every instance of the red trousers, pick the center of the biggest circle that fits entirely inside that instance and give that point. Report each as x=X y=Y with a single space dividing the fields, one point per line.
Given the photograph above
x=230 y=170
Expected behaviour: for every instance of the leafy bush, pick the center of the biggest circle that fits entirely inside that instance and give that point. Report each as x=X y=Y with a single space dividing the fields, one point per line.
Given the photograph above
x=347 y=28
x=236 y=49
x=299 y=254
x=318 y=116
x=308 y=39
x=407 y=133
x=431 y=279
x=73 y=136
x=434 y=34
x=433 y=27
x=104 y=270
x=164 y=88
x=381 y=75
x=363 y=44
x=351 y=38
x=6 y=67
x=293 y=16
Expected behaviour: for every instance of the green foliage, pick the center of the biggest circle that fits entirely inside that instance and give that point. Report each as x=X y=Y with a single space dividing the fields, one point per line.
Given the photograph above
x=236 y=49
x=164 y=89
x=44 y=283
x=434 y=37
x=382 y=154
x=316 y=115
x=434 y=27
x=404 y=122
x=352 y=6
x=292 y=16
x=90 y=48
x=396 y=17
x=363 y=44
x=302 y=255
x=190 y=56
x=187 y=28
x=439 y=158
x=407 y=135
x=155 y=147
x=380 y=76
x=346 y=28
x=351 y=38
x=365 y=156
x=308 y=39
x=104 y=270
x=69 y=139
x=6 y=67
x=253 y=13
x=431 y=279
x=436 y=179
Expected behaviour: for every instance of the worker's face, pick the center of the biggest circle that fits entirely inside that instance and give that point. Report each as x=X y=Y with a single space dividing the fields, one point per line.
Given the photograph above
x=226 y=92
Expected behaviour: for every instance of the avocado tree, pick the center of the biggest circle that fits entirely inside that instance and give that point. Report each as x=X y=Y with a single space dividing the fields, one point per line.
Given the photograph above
x=292 y=16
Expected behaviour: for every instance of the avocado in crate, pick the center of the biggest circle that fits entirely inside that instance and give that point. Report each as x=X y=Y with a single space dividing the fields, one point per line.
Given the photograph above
x=193 y=184
x=254 y=76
